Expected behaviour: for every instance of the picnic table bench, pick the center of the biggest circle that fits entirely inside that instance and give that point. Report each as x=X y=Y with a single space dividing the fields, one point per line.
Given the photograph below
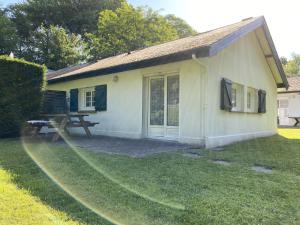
x=61 y=122
x=297 y=120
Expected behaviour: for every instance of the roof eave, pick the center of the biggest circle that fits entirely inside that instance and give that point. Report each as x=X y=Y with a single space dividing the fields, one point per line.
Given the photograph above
x=259 y=22
x=285 y=82
x=179 y=56
x=204 y=51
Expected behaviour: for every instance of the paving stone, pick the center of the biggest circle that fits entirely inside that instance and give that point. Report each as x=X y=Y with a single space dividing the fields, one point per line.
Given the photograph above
x=192 y=155
x=261 y=169
x=222 y=162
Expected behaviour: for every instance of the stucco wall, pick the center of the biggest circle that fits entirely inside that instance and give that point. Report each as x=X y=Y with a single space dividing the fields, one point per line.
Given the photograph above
x=243 y=63
x=125 y=117
x=200 y=117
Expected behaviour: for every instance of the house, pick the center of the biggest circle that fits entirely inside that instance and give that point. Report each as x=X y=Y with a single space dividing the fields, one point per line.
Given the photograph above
x=289 y=102
x=210 y=89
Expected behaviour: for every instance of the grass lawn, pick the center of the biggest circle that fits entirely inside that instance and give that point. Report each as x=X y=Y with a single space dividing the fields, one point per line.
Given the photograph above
x=63 y=185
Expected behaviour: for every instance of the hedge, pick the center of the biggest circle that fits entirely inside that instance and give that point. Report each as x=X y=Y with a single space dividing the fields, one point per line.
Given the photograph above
x=21 y=86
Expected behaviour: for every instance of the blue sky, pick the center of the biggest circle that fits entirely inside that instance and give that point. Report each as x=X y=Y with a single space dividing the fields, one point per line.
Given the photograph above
x=282 y=16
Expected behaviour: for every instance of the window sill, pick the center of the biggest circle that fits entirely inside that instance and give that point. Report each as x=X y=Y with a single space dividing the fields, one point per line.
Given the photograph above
x=87 y=111
x=246 y=112
x=237 y=111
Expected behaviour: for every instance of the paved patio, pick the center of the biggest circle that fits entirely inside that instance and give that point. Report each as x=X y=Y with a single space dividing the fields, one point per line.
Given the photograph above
x=130 y=147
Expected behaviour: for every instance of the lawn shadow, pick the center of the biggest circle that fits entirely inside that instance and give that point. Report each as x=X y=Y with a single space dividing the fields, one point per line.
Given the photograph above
x=27 y=175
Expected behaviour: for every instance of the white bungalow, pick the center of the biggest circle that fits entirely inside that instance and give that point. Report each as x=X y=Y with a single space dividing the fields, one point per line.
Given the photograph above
x=210 y=89
x=289 y=102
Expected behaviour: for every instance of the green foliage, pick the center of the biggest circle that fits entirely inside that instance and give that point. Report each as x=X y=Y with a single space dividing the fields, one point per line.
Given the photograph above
x=76 y=16
x=292 y=67
x=8 y=34
x=55 y=47
x=183 y=28
x=283 y=60
x=127 y=29
x=21 y=85
x=56 y=32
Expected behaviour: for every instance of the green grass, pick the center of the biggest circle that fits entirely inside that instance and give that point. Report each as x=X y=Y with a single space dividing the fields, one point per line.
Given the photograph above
x=67 y=186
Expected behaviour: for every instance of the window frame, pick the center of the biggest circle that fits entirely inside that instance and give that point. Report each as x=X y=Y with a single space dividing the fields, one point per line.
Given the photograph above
x=253 y=100
x=237 y=99
x=83 y=99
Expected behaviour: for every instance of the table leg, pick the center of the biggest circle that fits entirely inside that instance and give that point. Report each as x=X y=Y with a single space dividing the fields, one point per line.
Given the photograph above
x=36 y=131
x=85 y=127
x=297 y=122
x=61 y=127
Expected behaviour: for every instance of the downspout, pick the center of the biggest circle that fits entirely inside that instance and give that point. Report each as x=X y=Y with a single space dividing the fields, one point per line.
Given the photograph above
x=203 y=85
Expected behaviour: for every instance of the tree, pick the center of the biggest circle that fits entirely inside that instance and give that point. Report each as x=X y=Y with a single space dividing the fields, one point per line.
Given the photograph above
x=76 y=16
x=8 y=34
x=127 y=29
x=183 y=28
x=283 y=60
x=292 y=66
x=55 y=47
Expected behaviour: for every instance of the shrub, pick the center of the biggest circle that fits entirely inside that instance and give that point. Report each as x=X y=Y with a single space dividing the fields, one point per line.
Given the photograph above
x=21 y=85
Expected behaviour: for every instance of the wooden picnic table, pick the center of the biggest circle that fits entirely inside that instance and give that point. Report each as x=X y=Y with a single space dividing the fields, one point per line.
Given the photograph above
x=297 y=120
x=61 y=122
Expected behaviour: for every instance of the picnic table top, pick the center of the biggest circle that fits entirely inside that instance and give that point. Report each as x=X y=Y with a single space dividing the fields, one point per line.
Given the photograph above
x=64 y=115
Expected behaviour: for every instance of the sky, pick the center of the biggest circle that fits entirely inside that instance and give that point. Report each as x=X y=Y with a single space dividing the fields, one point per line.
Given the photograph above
x=283 y=17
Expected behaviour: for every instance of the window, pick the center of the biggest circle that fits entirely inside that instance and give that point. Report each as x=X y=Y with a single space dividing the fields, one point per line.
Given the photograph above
x=87 y=99
x=237 y=97
x=283 y=103
x=173 y=100
x=252 y=101
x=233 y=95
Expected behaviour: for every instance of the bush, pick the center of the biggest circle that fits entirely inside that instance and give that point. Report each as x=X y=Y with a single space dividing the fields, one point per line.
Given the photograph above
x=21 y=85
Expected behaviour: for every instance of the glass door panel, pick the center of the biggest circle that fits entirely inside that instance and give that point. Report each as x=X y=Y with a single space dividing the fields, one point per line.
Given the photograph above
x=157 y=101
x=173 y=100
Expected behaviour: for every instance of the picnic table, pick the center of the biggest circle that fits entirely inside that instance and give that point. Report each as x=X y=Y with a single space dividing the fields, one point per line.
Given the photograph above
x=61 y=122
x=297 y=120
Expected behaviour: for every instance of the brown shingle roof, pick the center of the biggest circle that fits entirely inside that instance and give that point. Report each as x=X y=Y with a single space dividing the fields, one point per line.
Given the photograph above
x=200 y=40
x=202 y=45
x=294 y=83
x=55 y=73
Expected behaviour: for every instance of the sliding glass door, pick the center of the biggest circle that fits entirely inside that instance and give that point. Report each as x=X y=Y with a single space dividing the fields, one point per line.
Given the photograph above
x=163 y=106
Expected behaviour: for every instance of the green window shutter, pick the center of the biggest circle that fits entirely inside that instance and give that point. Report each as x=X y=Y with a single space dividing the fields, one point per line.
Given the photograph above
x=73 y=100
x=262 y=101
x=101 y=98
x=226 y=94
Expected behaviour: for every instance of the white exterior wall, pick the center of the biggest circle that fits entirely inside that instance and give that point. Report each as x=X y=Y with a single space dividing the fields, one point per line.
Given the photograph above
x=243 y=63
x=292 y=109
x=125 y=117
x=200 y=118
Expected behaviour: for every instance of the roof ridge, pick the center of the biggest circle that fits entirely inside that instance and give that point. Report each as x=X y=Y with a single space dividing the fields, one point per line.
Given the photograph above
x=179 y=39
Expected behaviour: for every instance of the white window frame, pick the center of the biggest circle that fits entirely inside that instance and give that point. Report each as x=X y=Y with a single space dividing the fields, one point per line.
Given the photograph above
x=83 y=102
x=252 y=103
x=238 y=97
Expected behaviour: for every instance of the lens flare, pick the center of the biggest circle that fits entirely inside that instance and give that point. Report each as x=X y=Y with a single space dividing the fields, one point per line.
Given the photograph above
x=126 y=187
x=63 y=187
x=77 y=196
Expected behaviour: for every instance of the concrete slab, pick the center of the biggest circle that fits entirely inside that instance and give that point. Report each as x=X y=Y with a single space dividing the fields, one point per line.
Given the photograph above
x=217 y=149
x=192 y=155
x=129 y=147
